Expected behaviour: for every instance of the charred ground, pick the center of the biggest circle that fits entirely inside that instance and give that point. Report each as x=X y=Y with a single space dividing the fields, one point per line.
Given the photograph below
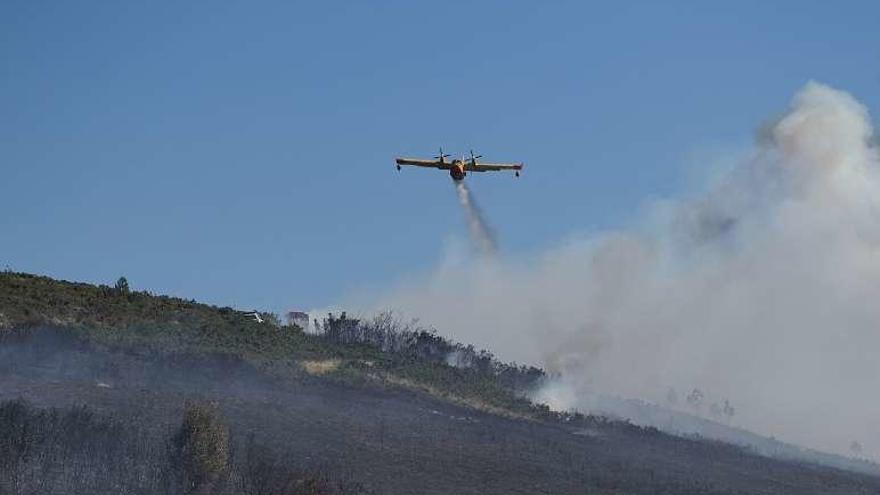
x=372 y=408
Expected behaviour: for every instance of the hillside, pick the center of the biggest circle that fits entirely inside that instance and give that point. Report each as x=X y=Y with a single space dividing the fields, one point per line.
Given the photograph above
x=380 y=350
x=366 y=407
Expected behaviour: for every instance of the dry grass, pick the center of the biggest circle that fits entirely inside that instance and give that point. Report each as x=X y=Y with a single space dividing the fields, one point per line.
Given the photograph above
x=320 y=367
x=471 y=402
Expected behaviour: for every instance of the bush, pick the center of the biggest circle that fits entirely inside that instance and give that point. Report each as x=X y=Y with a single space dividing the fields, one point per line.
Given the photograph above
x=76 y=450
x=201 y=449
x=122 y=286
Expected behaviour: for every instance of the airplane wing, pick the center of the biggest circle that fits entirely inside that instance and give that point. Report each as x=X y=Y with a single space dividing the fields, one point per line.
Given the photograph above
x=492 y=167
x=423 y=163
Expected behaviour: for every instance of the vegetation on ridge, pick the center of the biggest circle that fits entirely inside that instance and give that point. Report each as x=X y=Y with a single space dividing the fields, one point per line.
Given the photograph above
x=382 y=349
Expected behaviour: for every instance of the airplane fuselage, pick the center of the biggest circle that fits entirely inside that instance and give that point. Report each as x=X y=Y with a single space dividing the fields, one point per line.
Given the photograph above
x=457 y=171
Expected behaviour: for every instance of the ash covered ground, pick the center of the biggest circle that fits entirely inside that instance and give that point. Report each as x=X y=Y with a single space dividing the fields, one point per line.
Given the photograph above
x=389 y=440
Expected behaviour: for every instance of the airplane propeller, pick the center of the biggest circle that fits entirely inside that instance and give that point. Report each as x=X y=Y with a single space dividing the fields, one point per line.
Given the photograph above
x=474 y=158
x=441 y=157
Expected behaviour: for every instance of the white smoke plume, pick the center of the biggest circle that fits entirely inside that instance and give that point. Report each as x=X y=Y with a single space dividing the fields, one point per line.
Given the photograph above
x=765 y=291
x=481 y=234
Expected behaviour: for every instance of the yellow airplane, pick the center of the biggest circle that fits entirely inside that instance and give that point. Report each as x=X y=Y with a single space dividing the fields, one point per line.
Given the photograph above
x=458 y=168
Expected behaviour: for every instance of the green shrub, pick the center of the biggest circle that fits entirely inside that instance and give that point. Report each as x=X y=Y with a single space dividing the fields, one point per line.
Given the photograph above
x=201 y=448
x=122 y=286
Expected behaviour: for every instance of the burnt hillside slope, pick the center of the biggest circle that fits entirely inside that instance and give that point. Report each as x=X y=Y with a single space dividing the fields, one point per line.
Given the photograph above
x=380 y=423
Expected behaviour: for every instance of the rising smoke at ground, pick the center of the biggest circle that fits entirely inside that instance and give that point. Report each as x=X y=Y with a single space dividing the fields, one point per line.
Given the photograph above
x=763 y=290
x=480 y=232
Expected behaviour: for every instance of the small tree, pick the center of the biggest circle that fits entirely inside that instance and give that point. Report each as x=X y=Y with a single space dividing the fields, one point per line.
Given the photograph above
x=728 y=410
x=201 y=448
x=695 y=399
x=271 y=319
x=122 y=286
x=856 y=448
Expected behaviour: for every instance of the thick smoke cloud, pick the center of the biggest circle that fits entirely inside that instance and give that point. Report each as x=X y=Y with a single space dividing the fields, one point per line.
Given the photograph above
x=765 y=291
x=481 y=233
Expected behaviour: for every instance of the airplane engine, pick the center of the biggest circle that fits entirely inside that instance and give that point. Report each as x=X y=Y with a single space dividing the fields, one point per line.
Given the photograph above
x=457 y=172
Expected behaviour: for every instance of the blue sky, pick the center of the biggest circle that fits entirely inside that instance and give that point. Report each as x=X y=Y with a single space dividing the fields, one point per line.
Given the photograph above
x=241 y=153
